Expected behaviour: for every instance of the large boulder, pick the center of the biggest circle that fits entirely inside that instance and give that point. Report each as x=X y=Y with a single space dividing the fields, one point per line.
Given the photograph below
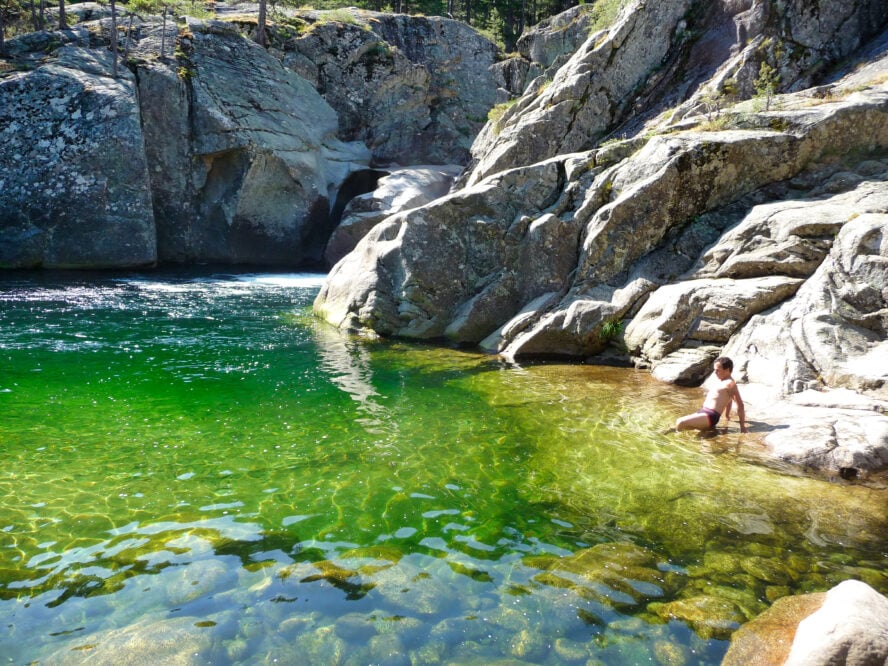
x=485 y=248
x=697 y=312
x=755 y=265
x=656 y=194
x=244 y=154
x=586 y=95
x=598 y=223
x=74 y=188
x=831 y=337
x=401 y=188
x=556 y=38
x=666 y=58
x=691 y=239
x=542 y=49
x=846 y=625
x=834 y=331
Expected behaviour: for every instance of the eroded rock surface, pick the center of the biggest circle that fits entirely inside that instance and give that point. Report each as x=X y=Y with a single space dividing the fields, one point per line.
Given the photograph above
x=74 y=189
x=244 y=153
x=401 y=188
x=208 y=148
x=415 y=90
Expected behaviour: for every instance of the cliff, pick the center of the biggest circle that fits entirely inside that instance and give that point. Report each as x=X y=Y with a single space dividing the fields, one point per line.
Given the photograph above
x=644 y=205
x=207 y=148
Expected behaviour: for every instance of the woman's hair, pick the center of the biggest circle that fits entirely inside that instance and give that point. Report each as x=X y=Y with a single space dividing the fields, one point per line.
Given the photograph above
x=725 y=362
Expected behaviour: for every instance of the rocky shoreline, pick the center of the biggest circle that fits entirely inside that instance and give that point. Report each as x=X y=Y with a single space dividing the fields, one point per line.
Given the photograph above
x=721 y=224
x=752 y=232
x=643 y=193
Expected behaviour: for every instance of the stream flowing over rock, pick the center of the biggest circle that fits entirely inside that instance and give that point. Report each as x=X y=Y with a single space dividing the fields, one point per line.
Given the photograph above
x=723 y=225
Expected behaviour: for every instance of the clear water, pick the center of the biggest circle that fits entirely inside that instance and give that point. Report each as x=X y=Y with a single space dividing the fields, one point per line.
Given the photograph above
x=197 y=471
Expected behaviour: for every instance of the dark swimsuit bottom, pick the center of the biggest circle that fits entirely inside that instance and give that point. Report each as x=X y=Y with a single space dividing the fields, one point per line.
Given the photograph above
x=713 y=415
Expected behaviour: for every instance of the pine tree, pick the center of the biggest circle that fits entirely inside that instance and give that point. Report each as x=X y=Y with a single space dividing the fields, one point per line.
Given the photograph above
x=766 y=83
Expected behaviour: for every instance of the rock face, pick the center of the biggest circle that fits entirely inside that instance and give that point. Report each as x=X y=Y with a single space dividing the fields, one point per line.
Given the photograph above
x=400 y=189
x=759 y=234
x=74 y=189
x=246 y=165
x=542 y=50
x=668 y=56
x=847 y=625
x=586 y=95
x=416 y=90
x=226 y=152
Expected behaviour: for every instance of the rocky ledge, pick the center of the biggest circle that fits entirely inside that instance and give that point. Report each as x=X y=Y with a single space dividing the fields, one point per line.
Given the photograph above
x=755 y=227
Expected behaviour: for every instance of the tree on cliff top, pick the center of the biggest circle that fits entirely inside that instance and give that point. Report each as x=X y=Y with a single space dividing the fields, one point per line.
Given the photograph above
x=4 y=11
x=261 y=36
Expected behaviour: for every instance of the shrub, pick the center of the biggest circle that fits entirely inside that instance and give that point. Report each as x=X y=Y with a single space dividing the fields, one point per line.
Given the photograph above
x=610 y=330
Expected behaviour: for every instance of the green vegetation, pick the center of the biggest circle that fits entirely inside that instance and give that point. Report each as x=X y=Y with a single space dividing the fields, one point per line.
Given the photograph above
x=605 y=12
x=610 y=329
x=341 y=15
x=501 y=21
x=495 y=115
x=715 y=124
x=766 y=83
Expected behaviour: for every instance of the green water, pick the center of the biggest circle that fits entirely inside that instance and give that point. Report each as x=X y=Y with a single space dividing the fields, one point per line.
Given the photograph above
x=196 y=471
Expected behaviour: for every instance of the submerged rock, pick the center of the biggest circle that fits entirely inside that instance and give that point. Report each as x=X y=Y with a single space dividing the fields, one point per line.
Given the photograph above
x=171 y=641
x=620 y=575
x=710 y=617
x=848 y=625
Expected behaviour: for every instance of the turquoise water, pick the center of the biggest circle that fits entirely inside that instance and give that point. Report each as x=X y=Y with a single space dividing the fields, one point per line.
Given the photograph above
x=197 y=471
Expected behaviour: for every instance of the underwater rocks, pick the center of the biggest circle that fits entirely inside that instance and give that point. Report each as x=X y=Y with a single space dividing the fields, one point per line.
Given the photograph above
x=170 y=641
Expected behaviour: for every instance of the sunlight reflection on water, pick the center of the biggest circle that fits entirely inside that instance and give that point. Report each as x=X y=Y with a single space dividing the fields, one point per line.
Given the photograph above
x=204 y=469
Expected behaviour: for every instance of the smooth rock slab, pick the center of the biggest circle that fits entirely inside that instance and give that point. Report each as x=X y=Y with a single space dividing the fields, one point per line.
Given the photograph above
x=766 y=640
x=706 y=311
x=850 y=627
